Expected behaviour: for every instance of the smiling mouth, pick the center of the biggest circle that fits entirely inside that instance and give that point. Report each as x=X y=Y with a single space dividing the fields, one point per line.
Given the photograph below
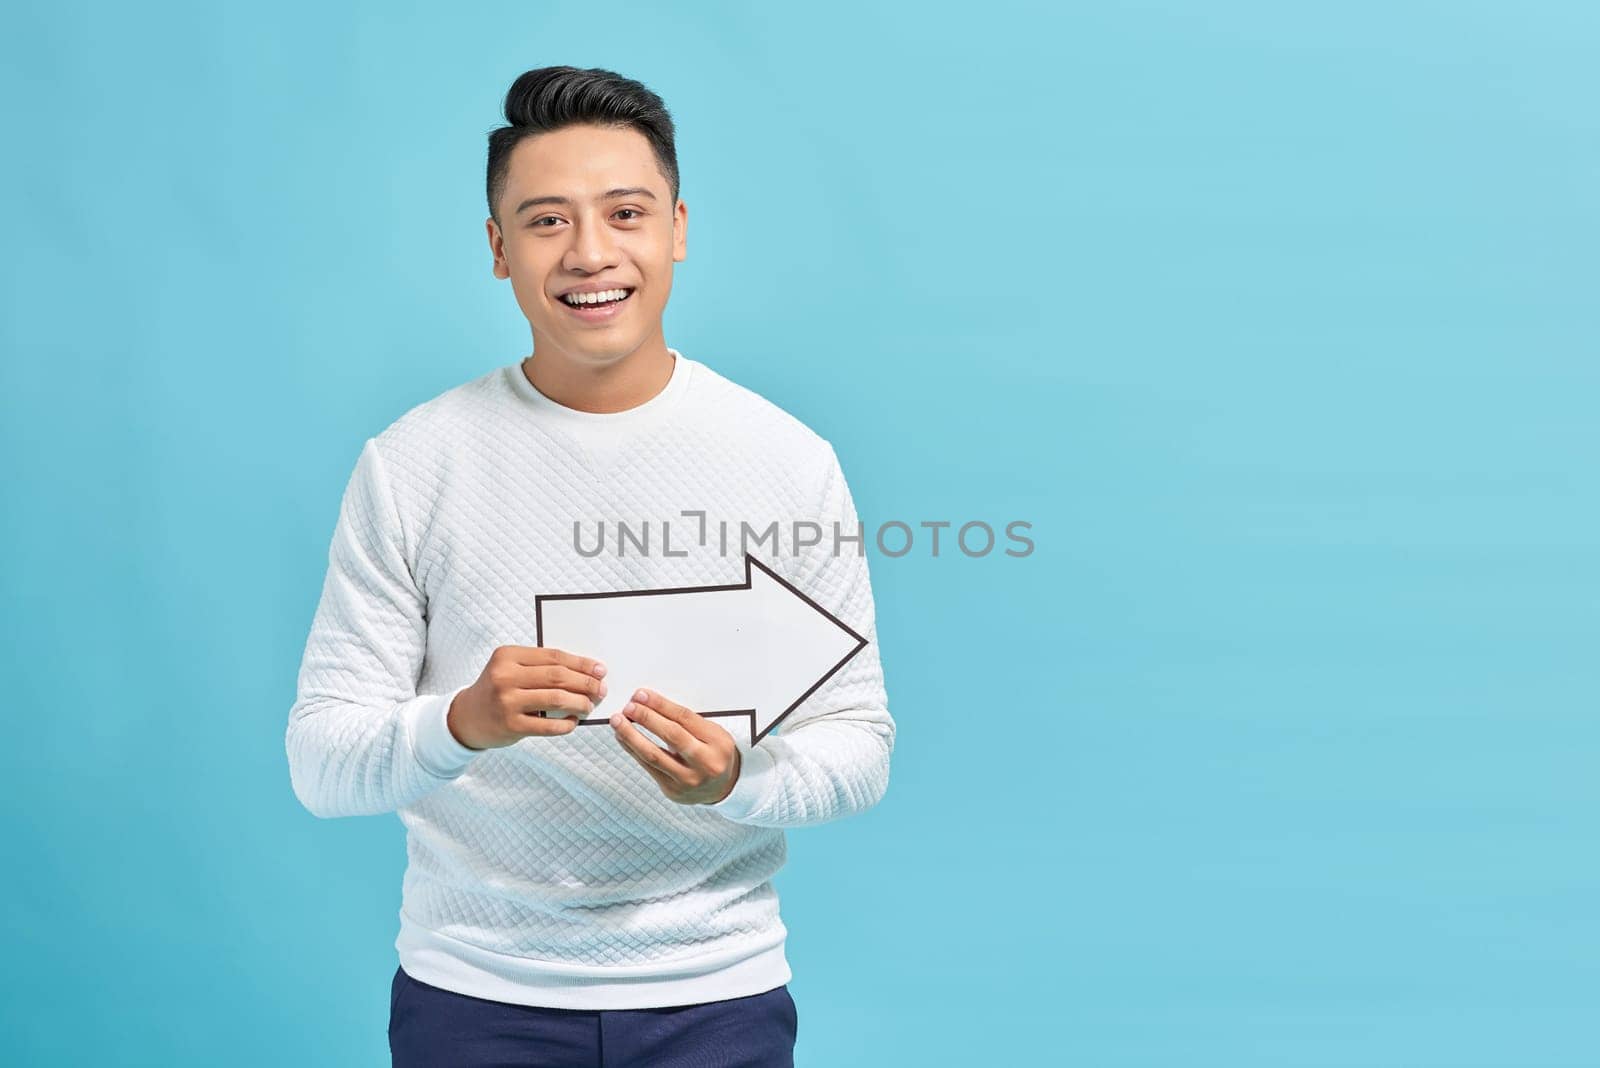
x=600 y=306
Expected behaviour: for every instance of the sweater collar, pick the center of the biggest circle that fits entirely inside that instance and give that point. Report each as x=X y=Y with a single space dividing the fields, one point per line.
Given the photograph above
x=638 y=417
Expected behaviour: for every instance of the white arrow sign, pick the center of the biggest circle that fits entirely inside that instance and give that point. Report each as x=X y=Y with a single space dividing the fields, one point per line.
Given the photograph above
x=755 y=649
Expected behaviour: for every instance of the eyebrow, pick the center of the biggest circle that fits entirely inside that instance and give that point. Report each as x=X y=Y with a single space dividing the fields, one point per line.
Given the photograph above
x=609 y=194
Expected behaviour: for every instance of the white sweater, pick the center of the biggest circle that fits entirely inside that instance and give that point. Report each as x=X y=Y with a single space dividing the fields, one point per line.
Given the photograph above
x=553 y=871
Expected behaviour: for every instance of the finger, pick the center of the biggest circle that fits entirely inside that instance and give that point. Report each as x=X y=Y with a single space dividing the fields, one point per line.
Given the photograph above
x=535 y=726
x=670 y=731
x=539 y=655
x=548 y=703
x=651 y=755
x=695 y=724
x=670 y=787
x=559 y=677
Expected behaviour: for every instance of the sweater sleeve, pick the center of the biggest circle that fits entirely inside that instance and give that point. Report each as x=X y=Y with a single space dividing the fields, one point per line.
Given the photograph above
x=830 y=757
x=361 y=739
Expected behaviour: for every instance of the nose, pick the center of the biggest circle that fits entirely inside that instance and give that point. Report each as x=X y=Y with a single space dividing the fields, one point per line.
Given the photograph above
x=592 y=249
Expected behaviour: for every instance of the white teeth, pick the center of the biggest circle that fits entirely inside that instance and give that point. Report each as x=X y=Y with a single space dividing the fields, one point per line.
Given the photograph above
x=595 y=298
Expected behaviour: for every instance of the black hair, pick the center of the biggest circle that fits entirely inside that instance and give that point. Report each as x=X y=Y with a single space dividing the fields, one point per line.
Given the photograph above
x=550 y=98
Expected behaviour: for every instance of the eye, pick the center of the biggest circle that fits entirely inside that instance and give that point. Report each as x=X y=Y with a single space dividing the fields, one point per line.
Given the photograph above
x=631 y=211
x=542 y=218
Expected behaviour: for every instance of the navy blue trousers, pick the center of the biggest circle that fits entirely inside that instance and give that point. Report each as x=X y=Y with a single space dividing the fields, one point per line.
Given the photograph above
x=434 y=1028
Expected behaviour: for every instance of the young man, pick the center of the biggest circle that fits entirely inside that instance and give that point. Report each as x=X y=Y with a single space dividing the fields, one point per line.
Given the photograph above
x=580 y=894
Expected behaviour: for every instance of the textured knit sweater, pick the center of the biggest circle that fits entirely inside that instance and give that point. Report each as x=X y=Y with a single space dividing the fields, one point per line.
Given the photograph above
x=554 y=871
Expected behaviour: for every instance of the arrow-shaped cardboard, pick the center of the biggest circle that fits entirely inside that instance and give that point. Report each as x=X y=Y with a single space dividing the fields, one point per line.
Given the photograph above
x=755 y=649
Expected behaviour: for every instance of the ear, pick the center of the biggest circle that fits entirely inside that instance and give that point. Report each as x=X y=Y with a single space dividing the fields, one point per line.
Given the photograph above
x=497 y=248
x=680 y=232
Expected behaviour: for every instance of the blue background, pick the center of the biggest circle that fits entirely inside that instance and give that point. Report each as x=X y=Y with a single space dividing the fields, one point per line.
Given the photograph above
x=1279 y=326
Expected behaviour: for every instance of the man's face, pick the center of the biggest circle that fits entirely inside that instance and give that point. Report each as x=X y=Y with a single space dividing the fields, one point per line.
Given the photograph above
x=591 y=235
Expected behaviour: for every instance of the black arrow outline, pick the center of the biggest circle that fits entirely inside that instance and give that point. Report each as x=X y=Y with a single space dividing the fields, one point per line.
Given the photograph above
x=749 y=560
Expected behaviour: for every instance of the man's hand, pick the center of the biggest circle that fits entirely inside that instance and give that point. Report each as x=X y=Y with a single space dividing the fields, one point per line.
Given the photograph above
x=519 y=685
x=703 y=763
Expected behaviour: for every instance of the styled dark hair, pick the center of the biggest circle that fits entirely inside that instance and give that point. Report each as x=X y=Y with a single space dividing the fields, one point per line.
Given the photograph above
x=550 y=98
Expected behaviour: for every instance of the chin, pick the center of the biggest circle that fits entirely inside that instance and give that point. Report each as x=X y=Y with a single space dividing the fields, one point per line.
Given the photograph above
x=594 y=348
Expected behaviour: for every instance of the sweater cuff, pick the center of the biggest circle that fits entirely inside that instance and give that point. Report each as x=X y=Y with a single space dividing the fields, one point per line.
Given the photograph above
x=436 y=749
x=756 y=766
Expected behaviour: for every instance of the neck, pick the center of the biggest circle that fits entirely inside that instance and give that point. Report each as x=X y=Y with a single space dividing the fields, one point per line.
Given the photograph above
x=603 y=385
